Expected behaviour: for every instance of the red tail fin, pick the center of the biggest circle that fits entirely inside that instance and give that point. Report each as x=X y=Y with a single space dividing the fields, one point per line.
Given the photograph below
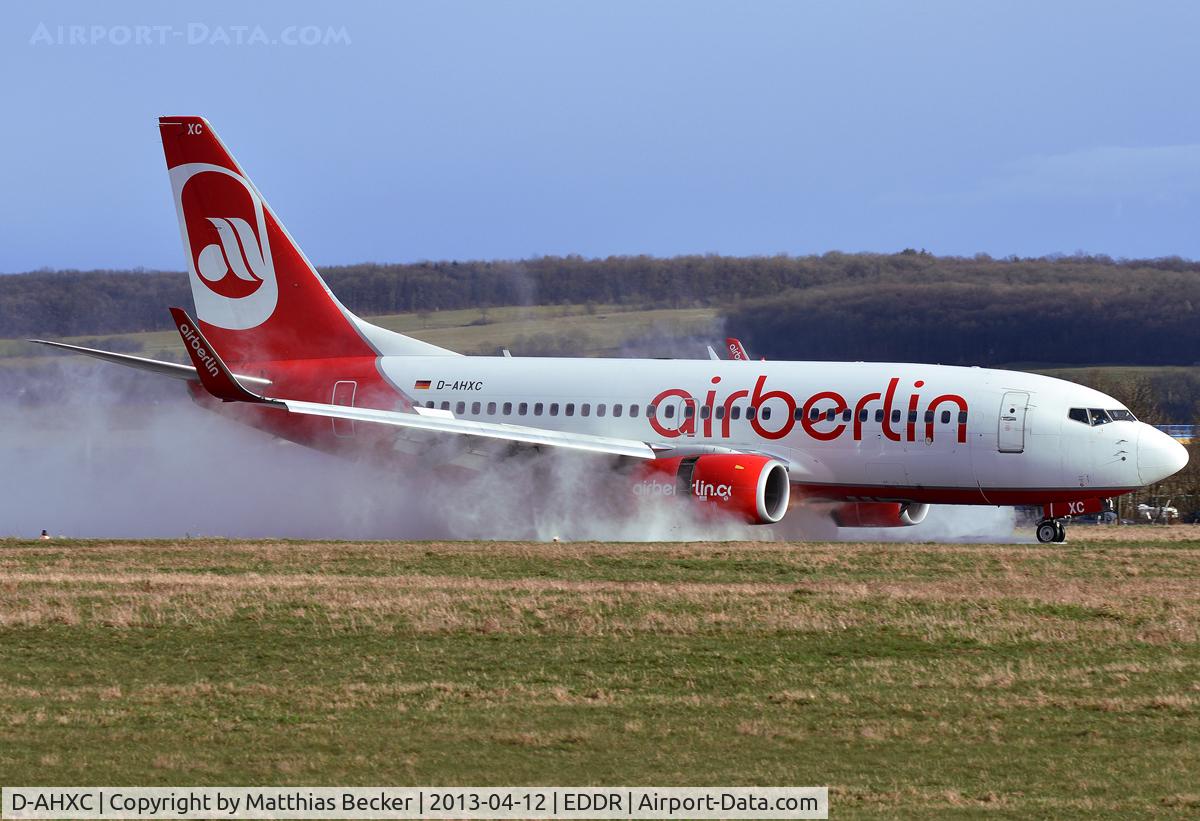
x=257 y=297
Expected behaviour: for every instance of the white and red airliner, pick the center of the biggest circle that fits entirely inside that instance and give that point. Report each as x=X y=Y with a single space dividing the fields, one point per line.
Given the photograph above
x=875 y=443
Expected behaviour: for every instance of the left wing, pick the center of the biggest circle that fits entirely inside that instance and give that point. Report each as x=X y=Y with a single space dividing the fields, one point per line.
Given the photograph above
x=221 y=383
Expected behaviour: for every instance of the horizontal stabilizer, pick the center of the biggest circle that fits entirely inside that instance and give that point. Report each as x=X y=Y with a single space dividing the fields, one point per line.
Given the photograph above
x=141 y=363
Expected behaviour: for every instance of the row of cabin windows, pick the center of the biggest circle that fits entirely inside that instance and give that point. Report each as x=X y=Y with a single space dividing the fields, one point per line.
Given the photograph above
x=541 y=408
x=864 y=415
x=689 y=410
x=814 y=414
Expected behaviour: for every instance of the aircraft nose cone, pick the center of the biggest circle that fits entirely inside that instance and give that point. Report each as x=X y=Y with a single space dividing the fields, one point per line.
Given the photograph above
x=1159 y=456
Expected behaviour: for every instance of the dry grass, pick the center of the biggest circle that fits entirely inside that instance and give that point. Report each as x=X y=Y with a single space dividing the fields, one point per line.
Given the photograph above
x=1134 y=533
x=1018 y=679
x=598 y=330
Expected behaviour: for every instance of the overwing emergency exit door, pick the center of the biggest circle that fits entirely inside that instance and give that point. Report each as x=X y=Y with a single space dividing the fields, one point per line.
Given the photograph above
x=1011 y=436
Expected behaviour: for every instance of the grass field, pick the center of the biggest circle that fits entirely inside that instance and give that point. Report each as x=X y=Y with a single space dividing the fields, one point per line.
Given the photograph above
x=936 y=679
x=569 y=329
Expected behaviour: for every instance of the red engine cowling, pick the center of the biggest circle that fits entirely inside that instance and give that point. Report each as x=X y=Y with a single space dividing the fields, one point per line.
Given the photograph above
x=754 y=488
x=879 y=514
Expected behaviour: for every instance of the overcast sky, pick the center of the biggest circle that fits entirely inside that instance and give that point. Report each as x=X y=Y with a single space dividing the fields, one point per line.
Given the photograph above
x=447 y=130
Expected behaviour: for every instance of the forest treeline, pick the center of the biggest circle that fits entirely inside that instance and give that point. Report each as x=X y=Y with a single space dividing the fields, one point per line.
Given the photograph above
x=1145 y=319
x=910 y=305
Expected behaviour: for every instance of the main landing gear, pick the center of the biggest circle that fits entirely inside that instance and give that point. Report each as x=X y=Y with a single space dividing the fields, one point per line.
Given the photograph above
x=1052 y=530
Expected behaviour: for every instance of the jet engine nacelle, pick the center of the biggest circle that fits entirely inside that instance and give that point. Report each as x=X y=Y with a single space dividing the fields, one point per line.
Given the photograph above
x=879 y=514
x=754 y=488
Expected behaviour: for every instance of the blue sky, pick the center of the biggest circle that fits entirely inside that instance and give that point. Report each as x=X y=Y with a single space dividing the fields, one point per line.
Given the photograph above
x=454 y=130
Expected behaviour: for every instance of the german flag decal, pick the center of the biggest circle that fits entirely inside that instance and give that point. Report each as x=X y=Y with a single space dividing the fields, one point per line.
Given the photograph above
x=422 y=385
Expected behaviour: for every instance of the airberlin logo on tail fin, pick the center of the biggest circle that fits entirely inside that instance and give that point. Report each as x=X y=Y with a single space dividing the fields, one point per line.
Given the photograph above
x=235 y=268
x=224 y=228
x=192 y=339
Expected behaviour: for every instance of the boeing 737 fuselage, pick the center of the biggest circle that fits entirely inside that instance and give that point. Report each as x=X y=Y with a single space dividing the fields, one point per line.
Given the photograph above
x=877 y=443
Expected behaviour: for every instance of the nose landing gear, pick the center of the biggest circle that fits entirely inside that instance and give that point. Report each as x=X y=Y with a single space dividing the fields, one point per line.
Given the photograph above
x=1052 y=530
x=1055 y=515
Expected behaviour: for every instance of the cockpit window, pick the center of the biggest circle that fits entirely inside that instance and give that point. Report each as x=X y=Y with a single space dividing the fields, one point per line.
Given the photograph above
x=1096 y=416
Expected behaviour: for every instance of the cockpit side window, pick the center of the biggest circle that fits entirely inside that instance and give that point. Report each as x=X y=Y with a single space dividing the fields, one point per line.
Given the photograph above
x=1079 y=415
x=1099 y=417
x=1122 y=415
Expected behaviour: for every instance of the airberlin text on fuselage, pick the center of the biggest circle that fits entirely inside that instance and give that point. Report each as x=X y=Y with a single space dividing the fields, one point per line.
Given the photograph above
x=821 y=428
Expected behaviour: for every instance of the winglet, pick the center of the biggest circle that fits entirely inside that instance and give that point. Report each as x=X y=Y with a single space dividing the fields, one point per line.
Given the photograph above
x=736 y=349
x=214 y=374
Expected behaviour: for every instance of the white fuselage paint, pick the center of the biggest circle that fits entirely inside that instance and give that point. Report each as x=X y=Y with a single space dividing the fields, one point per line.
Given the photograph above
x=1046 y=450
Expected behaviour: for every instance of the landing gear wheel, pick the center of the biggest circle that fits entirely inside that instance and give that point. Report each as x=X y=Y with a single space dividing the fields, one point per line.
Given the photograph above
x=1060 y=531
x=1047 y=531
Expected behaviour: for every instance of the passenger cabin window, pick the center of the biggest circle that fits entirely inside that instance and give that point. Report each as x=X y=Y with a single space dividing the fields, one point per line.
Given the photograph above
x=669 y=411
x=879 y=415
x=523 y=408
x=508 y=408
x=830 y=414
x=766 y=413
x=945 y=417
x=928 y=417
x=601 y=409
x=617 y=409
x=750 y=412
x=569 y=410
x=735 y=412
x=475 y=408
x=720 y=411
x=554 y=409
x=429 y=404
x=460 y=408
x=585 y=409
x=912 y=416
x=814 y=414
x=705 y=411
x=491 y=408
x=864 y=414
x=651 y=411
x=847 y=414
x=537 y=408
x=445 y=406
x=962 y=417
x=896 y=415
x=633 y=410
x=1078 y=415
x=689 y=410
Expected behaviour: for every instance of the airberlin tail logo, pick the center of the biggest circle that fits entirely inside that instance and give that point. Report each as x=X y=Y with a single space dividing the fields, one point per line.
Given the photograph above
x=224 y=228
x=234 y=267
